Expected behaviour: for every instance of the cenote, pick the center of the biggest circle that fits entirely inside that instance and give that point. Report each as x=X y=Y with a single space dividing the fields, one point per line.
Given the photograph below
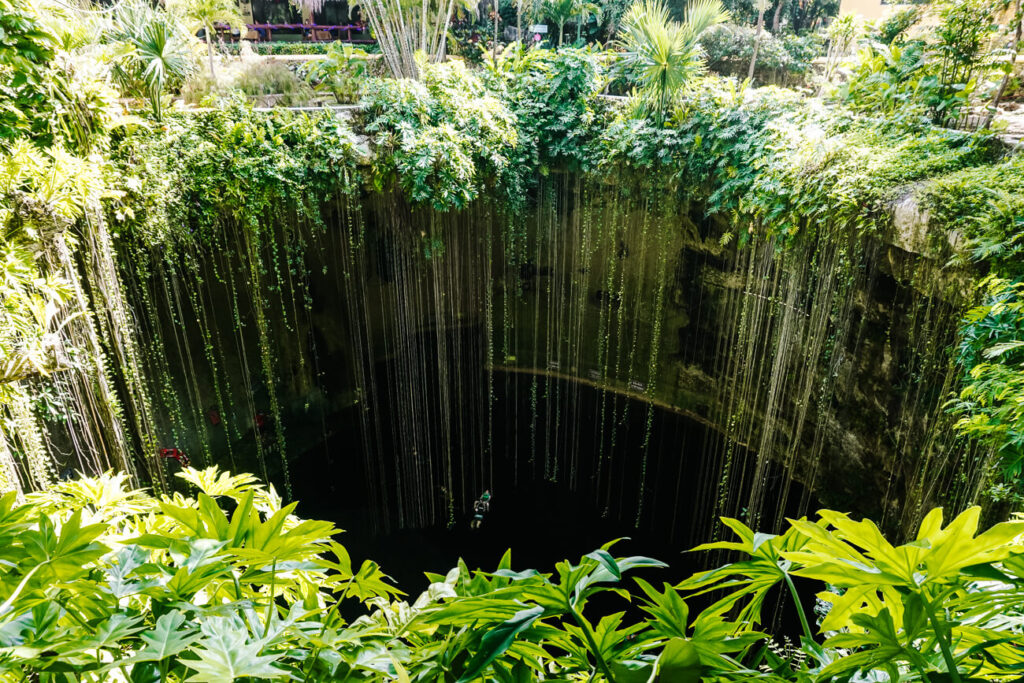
x=361 y=391
x=541 y=518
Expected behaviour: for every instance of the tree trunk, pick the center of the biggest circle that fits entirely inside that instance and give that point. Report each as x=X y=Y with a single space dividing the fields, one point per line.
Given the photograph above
x=519 y=21
x=209 y=56
x=423 y=26
x=495 y=51
x=777 y=18
x=757 y=43
x=561 y=27
x=1018 y=18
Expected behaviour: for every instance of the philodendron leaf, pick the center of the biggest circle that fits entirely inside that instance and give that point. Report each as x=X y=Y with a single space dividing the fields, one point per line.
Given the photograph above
x=109 y=632
x=607 y=561
x=679 y=662
x=225 y=654
x=632 y=671
x=498 y=639
x=145 y=672
x=167 y=638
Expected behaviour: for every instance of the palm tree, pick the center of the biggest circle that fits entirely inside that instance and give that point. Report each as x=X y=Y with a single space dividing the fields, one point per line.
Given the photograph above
x=562 y=11
x=152 y=51
x=206 y=14
x=666 y=53
x=559 y=11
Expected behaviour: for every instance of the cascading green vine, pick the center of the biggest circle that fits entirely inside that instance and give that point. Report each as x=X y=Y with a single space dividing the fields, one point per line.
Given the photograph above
x=236 y=191
x=983 y=208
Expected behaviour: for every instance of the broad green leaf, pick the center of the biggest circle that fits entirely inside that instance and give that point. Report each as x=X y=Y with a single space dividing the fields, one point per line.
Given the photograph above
x=225 y=654
x=679 y=662
x=167 y=638
x=497 y=640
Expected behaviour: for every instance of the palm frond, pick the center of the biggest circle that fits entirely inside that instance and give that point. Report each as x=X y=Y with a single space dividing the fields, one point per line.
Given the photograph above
x=663 y=54
x=701 y=15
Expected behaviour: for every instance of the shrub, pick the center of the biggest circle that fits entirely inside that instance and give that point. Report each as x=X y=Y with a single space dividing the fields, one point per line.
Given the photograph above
x=341 y=71
x=894 y=28
x=442 y=138
x=274 y=78
x=780 y=59
x=296 y=48
x=102 y=582
x=202 y=88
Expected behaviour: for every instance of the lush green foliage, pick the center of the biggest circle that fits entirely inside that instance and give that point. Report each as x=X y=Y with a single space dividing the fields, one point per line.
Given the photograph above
x=101 y=582
x=442 y=137
x=784 y=168
x=554 y=98
x=111 y=583
x=985 y=206
x=229 y=161
x=105 y=582
x=25 y=49
x=895 y=26
x=562 y=11
x=274 y=79
x=154 y=52
x=933 y=77
x=992 y=400
x=795 y=16
x=340 y=71
x=894 y=79
x=33 y=297
x=283 y=47
x=206 y=15
x=768 y=161
x=728 y=49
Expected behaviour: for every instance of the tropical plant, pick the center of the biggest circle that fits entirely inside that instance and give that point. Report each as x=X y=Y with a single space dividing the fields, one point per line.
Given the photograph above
x=101 y=581
x=26 y=49
x=206 y=15
x=890 y=79
x=563 y=11
x=985 y=204
x=894 y=27
x=341 y=71
x=665 y=54
x=107 y=581
x=792 y=17
x=154 y=51
x=44 y=192
x=729 y=49
x=441 y=138
x=843 y=35
x=1016 y=30
x=31 y=316
x=991 y=402
x=585 y=11
x=273 y=78
x=962 y=40
x=552 y=95
x=936 y=607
